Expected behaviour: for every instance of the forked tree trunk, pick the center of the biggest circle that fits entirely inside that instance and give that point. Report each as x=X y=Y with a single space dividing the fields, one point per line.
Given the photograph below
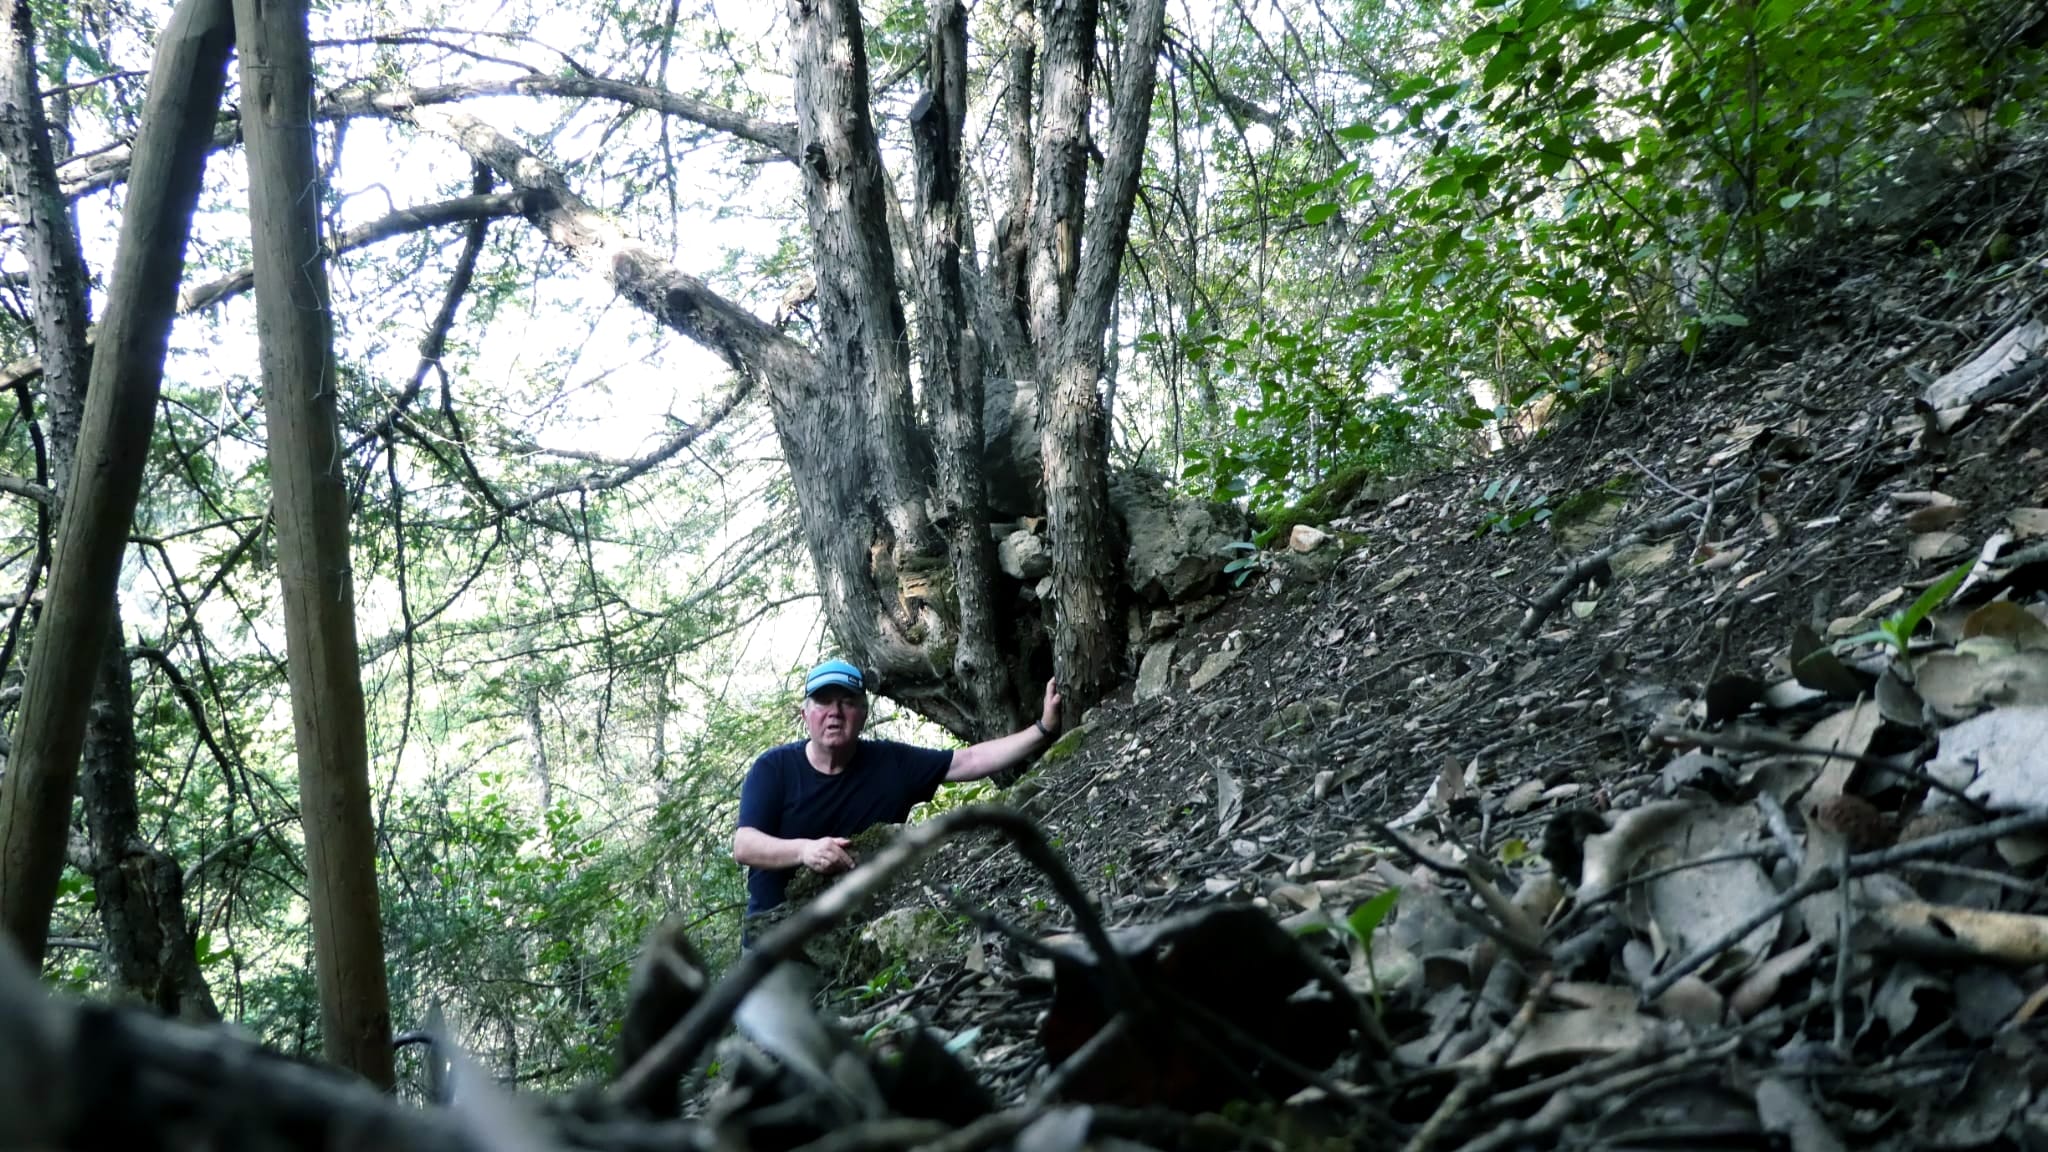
x=1070 y=258
x=100 y=438
x=310 y=505
x=889 y=502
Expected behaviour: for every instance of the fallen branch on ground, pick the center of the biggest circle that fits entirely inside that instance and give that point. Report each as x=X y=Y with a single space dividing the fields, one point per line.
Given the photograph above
x=1582 y=569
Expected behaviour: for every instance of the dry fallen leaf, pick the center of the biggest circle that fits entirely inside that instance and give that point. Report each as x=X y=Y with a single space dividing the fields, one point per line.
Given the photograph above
x=1992 y=372
x=1957 y=684
x=1935 y=517
x=1693 y=906
x=1783 y=1109
x=1760 y=987
x=1609 y=855
x=2006 y=620
x=1523 y=798
x=1712 y=557
x=2028 y=523
x=1396 y=580
x=1936 y=546
x=1999 y=754
x=1641 y=559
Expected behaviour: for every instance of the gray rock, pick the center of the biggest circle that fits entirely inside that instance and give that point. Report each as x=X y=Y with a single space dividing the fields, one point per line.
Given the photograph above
x=1155 y=675
x=1214 y=666
x=1175 y=546
x=1024 y=556
x=1010 y=455
x=1310 y=567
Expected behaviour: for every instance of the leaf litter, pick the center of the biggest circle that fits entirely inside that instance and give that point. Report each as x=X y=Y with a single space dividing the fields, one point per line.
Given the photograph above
x=1549 y=839
x=1701 y=957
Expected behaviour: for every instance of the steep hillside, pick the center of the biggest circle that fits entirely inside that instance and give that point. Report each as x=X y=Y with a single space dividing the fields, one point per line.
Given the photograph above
x=1595 y=629
x=1675 y=778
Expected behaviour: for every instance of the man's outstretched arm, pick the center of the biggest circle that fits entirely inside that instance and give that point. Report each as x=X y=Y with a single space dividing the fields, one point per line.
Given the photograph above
x=992 y=756
x=757 y=849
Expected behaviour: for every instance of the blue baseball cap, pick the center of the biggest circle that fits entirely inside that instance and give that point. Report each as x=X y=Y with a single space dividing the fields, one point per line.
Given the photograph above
x=834 y=674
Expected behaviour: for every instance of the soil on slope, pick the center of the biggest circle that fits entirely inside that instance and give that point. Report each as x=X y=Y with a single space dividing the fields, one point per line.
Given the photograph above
x=1787 y=444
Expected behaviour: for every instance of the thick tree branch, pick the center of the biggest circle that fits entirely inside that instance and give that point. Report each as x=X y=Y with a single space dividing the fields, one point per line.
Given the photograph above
x=107 y=168
x=1109 y=219
x=403 y=222
x=684 y=304
x=780 y=138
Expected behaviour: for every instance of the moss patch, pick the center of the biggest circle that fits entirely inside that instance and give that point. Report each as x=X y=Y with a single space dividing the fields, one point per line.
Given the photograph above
x=1319 y=505
x=1069 y=743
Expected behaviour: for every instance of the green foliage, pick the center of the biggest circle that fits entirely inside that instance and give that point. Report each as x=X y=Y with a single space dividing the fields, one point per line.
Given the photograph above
x=1500 y=515
x=1246 y=565
x=1593 y=178
x=1313 y=414
x=1363 y=922
x=1499 y=202
x=1898 y=628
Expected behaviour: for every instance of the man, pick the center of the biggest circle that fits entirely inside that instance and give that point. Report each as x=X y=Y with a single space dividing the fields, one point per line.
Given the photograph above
x=802 y=801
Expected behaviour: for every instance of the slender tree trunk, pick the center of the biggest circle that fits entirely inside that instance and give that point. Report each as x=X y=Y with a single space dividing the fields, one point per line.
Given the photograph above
x=537 y=752
x=865 y=343
x=310 y=504
x=1060 y=154
x=138 y=890
x=56 y=271
x=100 y=463
x=1085 y=640
x=952 y=373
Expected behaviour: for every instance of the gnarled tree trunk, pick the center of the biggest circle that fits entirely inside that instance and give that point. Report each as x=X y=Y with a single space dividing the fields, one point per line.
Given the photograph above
x=1065 y=263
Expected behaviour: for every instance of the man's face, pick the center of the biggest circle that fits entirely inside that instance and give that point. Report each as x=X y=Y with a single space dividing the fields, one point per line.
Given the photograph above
x=833 y=716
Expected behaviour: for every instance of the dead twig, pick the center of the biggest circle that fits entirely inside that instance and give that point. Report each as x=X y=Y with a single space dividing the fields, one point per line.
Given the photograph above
x=679 y=1048
x=1559 y=1108
x=1747 y=740
x=1580 y=570
x=1780 y=829
x=1491 y=1060
x=2012 y=430
x=1821 y=879
x=1350 y=694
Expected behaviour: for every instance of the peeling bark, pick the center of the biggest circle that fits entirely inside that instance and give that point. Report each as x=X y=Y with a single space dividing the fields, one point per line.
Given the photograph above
x=864 y=341
x=952 y=375
x=137 y=890
x=1085 y=648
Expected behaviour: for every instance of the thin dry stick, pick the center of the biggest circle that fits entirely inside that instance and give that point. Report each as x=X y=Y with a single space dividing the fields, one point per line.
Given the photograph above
x=1780 y=828
x=1821 y=879
x=1491 y=1060
x=679 y=1048
x=1561 y=1107
x=1841 y=851
x=1752 y=741
x=1579 y=571
x=2012 y=430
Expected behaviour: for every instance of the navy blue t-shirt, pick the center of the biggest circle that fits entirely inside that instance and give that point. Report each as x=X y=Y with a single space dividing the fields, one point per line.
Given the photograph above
x=785 y=797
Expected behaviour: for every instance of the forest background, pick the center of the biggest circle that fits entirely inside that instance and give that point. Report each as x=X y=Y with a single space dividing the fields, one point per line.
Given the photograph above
x=1364 y=238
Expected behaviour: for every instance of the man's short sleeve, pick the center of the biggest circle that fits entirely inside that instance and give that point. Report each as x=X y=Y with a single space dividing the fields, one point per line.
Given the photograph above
x=761 y=797
x=926 y=770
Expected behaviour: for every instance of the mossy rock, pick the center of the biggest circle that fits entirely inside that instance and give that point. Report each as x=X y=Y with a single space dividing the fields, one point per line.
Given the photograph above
x=1067 y=745
x=841 y=955
x=1320 y=504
